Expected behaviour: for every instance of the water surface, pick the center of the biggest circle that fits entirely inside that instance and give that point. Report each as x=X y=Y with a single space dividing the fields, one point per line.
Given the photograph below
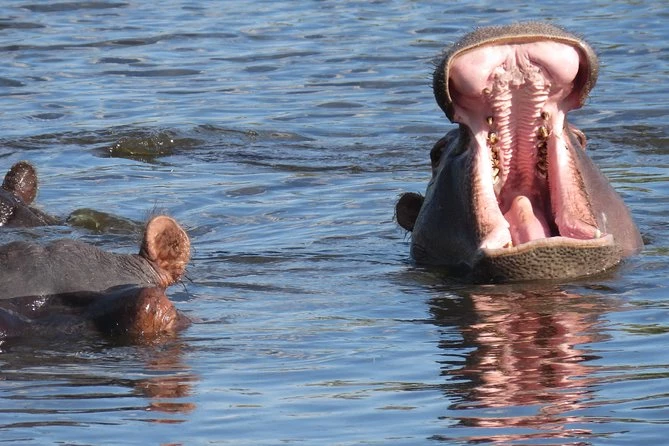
x=281 y=134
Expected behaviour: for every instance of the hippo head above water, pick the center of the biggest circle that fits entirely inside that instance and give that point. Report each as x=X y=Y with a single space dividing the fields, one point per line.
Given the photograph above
x=513 y=194
x=17 y=194
x=68 y=286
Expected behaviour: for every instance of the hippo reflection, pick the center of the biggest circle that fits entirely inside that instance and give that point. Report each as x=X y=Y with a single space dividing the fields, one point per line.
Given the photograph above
x=68 y=286
x=513 y=195
x=523 y=363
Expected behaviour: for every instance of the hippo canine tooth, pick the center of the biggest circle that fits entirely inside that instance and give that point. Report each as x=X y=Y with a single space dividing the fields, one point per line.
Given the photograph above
x=543 y=133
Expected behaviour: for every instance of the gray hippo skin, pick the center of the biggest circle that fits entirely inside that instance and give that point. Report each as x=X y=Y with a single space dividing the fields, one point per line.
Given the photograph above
x=17 y=194
x=65 y=285
x=513 y=194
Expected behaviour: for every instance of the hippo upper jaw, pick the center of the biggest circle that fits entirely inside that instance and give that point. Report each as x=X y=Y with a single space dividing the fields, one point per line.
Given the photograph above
x=510 y=35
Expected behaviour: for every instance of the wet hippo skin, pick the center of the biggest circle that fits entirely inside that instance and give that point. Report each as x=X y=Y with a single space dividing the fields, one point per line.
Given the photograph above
x=513 y=194
x=69 y=286
x=126 y=312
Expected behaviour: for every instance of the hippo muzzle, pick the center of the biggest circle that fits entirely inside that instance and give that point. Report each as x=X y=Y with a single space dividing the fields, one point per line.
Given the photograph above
x=513 y=194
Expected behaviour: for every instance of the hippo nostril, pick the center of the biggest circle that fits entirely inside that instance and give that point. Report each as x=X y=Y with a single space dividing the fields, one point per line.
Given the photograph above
x=435 y=156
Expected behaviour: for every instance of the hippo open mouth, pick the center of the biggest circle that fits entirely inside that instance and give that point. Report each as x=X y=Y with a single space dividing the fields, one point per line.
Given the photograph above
x=513 y=95
x=513 y=192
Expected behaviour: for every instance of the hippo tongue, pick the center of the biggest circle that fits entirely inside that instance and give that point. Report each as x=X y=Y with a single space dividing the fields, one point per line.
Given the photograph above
x=524 y=225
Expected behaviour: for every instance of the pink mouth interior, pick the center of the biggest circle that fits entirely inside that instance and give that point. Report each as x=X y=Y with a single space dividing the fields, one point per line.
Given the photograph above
x=513 y=98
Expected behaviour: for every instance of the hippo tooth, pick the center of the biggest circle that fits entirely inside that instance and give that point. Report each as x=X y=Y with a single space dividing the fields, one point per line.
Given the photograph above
x=494 y=158
x=545 y=115
x=598 y=233
x=492 y=138
x=541 y=165
x=489 y=120
x=543 y=133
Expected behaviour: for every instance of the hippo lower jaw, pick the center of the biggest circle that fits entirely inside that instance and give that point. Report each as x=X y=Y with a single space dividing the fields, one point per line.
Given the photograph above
x=548 y=258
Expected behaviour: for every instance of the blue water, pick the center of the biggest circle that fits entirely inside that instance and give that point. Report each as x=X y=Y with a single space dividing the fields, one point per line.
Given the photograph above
x=280 y=134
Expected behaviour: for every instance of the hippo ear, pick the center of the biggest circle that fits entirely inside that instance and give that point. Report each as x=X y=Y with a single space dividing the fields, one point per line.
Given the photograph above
x=407 y=209
x=167 y=245
x=21 y=180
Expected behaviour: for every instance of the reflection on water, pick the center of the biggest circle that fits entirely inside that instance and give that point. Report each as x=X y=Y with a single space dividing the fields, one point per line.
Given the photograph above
x=72 y=383
x=168 y=391
x=527 y=372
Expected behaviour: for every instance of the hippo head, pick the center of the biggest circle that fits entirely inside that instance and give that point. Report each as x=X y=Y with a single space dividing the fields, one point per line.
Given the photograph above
x=513 y=194
x=17 y=193
x=68 y=287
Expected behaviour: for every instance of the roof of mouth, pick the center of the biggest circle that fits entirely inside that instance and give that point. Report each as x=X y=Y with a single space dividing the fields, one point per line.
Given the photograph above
x=516 y=33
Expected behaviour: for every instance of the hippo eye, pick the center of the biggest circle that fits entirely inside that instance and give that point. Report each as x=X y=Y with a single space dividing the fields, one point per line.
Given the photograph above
x=437 y=150
x=452 y=141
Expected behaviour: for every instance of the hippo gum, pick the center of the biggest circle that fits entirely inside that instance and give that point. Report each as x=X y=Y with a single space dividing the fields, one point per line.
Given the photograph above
x=513 y=194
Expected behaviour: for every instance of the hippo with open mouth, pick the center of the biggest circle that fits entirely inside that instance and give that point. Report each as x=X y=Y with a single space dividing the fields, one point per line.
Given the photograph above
x=513 y=194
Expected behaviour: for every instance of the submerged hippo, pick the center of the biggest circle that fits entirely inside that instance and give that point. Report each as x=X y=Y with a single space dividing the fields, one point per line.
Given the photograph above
x=69 y=285
x=513 y=194
x=17 y=194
